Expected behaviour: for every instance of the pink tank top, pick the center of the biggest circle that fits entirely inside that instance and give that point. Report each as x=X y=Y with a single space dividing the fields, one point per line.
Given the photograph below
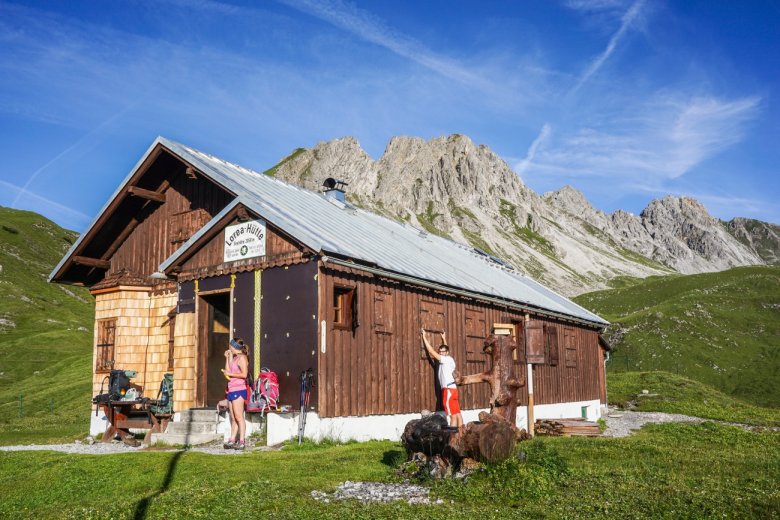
x=236 y=383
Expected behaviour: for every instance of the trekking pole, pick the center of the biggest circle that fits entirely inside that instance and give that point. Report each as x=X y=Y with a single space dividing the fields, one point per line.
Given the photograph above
x=302 y=416
x=308 y=382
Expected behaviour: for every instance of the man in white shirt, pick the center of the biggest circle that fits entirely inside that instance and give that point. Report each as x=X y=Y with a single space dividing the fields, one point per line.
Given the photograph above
x=449 y=391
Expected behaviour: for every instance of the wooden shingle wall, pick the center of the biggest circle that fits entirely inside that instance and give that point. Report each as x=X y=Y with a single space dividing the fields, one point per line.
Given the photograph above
x=142 y=341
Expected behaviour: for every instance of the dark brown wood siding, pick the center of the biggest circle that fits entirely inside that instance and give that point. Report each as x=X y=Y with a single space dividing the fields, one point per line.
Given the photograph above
x=162 y=227
x=209 y=259
x=380 y=367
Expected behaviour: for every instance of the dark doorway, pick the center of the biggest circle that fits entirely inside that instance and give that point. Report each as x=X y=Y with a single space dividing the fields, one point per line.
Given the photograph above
x=215 y=330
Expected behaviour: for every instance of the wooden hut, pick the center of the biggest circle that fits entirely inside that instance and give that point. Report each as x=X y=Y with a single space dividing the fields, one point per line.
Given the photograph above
x=191 y=250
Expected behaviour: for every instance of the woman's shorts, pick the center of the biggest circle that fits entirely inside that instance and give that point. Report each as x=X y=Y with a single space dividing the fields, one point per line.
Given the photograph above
x=449 y=397
x=232 y=396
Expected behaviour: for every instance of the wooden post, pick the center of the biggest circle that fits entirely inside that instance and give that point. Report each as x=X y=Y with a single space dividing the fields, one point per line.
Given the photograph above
x=530 y=428
x=530 y=413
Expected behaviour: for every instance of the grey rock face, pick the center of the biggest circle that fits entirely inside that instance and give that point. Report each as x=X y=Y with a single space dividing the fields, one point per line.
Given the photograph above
x=761 y=237
x=454 y=188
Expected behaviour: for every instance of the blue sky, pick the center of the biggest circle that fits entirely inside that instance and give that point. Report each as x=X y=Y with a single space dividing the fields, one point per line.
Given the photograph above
x=625 y=100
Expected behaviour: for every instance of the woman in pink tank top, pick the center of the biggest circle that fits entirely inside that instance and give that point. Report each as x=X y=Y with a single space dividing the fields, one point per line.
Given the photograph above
x=236 y=369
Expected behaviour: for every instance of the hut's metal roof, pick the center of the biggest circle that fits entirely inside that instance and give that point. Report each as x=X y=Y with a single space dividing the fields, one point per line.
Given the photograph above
x=334 y=228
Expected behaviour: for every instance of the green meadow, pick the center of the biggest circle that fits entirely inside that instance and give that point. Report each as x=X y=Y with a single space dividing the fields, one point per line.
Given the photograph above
x=703 y=470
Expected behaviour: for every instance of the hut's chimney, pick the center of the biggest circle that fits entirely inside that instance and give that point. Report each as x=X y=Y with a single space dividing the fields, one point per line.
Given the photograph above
x=334 y=189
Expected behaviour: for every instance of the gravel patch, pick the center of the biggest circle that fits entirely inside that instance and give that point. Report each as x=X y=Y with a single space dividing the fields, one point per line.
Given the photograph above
x=377 y=492
x=624 y=423
x=99 y=448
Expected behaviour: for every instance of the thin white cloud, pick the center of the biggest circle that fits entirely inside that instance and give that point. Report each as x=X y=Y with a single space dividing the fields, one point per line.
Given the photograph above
x=60 y=213
x=361 y=23
x=594 y=5
x=663 y=138
x=704 y=127
x=625 y=23
x=541 y=139
x=94 y=134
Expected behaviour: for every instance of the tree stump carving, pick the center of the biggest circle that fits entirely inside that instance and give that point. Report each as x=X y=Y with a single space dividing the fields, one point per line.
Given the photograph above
x=493 y=437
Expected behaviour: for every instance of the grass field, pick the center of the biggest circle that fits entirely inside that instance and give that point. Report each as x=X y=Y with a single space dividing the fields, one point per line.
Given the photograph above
x=665 y=471
x=45 y=334
x=668 y=471
x=722 y=329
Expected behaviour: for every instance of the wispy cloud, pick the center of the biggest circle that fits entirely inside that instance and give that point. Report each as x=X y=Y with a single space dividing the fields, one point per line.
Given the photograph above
x=663 y=138
x=57 y=212
x=625 y=23
x=362 y=24
x=94 y=134
x=544 y=135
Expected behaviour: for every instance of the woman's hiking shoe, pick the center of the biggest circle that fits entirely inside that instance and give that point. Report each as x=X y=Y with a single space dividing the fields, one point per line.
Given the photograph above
x=241 y=446
x=230 y=445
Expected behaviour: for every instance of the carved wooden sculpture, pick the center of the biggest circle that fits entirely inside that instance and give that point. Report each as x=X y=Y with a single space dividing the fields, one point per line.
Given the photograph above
x=502 y=377
x=493 y=437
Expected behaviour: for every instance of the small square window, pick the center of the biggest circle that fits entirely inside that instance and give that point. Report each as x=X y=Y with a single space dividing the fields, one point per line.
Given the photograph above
x=343 y=307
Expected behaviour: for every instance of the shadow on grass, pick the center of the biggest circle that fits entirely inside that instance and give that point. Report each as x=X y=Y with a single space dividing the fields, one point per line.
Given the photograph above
x=143 y=505
x=394 y=457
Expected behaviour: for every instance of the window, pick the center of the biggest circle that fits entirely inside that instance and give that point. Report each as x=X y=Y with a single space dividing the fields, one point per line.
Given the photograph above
x=105 y=345
x=476 y=328
x=344 y=307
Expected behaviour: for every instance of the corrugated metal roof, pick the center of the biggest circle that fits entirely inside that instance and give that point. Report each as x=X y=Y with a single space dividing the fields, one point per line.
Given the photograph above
x=330 y=227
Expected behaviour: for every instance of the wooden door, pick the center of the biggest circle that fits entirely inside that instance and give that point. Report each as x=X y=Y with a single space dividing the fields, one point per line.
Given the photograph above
x=214 y=310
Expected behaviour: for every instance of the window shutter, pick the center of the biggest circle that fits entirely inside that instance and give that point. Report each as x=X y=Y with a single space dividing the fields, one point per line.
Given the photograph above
x=552 y=344
x=534 y=342
x=353 y=296
x=520 y=357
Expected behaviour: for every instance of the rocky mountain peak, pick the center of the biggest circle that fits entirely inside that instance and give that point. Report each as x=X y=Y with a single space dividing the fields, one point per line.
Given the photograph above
x=451 y=187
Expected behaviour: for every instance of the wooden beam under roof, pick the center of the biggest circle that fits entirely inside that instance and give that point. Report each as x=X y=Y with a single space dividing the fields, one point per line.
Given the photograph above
x=146 y=194
x=92 y=262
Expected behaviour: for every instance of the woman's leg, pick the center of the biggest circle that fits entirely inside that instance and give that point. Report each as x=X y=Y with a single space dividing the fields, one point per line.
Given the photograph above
x=233 y=421
x=239 y=408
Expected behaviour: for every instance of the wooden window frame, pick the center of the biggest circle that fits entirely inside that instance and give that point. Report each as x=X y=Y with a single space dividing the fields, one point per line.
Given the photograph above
x=342 y=307
x=105 y=347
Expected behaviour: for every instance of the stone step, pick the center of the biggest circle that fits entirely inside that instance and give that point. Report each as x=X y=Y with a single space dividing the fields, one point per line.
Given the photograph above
x=192 y=427
x=198 y=415
x=183 y=439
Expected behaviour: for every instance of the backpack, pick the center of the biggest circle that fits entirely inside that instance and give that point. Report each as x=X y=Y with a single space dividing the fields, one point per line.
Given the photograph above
x=164 y=396
x=265 y=392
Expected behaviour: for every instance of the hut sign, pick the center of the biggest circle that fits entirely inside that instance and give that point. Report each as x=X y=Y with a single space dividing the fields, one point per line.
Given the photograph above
x=245 y=240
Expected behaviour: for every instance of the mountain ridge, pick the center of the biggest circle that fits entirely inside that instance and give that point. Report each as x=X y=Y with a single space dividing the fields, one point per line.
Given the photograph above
x=454 y=188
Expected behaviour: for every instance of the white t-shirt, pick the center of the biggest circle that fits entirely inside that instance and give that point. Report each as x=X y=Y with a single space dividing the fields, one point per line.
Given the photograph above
x=446 y=368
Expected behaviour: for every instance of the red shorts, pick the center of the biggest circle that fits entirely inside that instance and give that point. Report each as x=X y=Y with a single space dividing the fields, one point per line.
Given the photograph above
x=449 y=397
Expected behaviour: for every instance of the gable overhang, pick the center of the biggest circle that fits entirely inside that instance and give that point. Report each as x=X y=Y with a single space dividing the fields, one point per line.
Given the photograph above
x=212 y=228
x=127 y=189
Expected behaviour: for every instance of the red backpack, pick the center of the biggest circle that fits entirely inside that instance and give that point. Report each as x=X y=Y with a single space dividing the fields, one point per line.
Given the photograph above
x=265 y=392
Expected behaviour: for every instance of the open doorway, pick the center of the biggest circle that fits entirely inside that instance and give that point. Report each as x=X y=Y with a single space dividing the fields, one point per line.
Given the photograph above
x=214 y=328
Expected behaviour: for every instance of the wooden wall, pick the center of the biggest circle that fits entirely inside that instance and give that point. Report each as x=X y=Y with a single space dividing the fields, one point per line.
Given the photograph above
x=141 y=341
x=381 y=366
x=163 y=227
x=208 y=260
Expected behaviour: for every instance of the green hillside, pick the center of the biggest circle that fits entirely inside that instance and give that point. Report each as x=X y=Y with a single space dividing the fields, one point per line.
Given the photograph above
x=45 y=333
x=722 y=329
